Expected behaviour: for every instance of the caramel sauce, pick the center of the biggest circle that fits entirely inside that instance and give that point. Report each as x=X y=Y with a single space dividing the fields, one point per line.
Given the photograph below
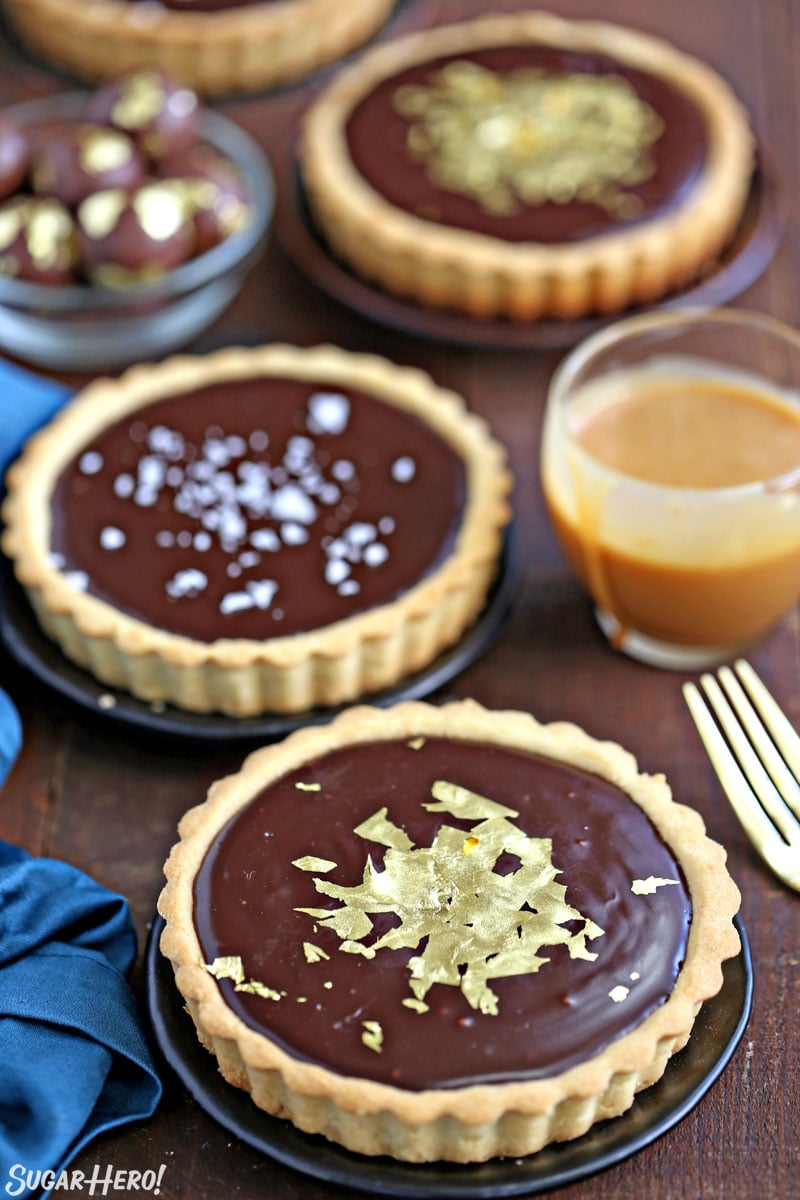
x=677 y=565
x=705 y=433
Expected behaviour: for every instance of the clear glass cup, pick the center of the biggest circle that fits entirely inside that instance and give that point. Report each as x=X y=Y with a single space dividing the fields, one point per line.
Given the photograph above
x=683 y=522
x=81 y=327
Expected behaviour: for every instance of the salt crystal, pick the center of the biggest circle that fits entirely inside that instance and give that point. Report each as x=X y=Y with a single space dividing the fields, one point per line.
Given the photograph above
x=376 y=554
x=328 y=412
x=124 y=486
x=188 y=582
x=360 y=533
x=293 y=534
x=91 y=463
x=291 y=503
x=265 y=539
x=404 y=469
x=336 y=571
x=343 y=470
x=112 y=538
x=77 y=580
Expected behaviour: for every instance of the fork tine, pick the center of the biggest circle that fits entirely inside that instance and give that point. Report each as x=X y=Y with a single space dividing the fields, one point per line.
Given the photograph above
x=751 y=764
x=776 y=721
x=756 y=824
x=769 y=755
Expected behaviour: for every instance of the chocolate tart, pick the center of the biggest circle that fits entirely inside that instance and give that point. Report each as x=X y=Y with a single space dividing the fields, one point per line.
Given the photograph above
x=445 y=933
x=213 y=46
x=262 y=530
x=523 y=166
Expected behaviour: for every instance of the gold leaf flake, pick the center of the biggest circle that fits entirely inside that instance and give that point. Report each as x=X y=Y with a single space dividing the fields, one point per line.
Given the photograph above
x=102 y=150
x=372 y=1037
x=314 y=954
x=619 y=993
x=461 y=802
x=418 y=1005
x=345 y=922
x=646 y=887
x=416 y=743
x=378 y=828
x=308 y=787
x=99 y=213
x=527 y=137
x=140 y=101
x=254 y=988
x=350 y=947
x=310 y=863
x=228 y=967
x=49 y=236
x=11 y=221
x=474 y=923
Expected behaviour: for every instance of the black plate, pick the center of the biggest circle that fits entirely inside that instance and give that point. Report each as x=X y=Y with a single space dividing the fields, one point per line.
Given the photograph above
x=24 y=640
x=751 y=250
x=717 y=1031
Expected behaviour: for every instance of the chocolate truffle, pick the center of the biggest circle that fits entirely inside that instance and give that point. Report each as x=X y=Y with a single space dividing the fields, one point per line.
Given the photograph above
x=15 y=156
x=83 y=159
x=161 y=115
x=132 y=237
x=201 y=5
x=214 y=190
x=37 y=241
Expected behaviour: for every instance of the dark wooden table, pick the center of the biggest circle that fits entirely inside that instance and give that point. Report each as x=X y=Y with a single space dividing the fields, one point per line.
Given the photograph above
x=108 y=800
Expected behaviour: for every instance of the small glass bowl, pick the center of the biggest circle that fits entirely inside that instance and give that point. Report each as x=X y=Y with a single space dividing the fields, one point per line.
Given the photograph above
x=86 y=327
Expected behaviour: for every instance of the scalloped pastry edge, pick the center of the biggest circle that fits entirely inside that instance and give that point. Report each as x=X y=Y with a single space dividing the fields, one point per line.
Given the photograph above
x=227 y=51
x=469 y=1124
x=331 y=665
x=443 y=267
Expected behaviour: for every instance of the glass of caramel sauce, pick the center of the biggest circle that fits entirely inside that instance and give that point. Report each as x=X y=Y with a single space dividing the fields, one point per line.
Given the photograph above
x=671 y=471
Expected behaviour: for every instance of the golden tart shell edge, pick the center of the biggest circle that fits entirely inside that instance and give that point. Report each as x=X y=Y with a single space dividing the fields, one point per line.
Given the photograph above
x=444 y=267
x=331 y=665
x=259 y=46
x=471 y=1123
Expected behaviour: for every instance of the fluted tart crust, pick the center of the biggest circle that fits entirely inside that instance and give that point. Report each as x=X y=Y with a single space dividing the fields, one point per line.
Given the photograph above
x=232 y=49
x=527 y=166
x=533 y=974
x=259 y=530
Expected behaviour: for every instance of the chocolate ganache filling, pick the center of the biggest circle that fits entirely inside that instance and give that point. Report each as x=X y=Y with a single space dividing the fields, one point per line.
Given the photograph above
x=529 y=143
x=257 y=508
x=435 y=913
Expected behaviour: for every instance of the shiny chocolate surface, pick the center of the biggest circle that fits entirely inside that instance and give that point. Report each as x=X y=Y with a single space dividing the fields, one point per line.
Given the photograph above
x=257 y=508
x=250 y=890
x=377 y=141
x=84 y=159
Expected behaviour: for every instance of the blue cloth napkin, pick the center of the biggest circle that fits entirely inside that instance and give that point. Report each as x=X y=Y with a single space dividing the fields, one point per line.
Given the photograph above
x=74 y=1061
x=27 y=401
x=10 y=736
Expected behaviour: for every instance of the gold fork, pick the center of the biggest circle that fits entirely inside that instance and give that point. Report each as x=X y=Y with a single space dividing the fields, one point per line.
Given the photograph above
x=763 y=786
